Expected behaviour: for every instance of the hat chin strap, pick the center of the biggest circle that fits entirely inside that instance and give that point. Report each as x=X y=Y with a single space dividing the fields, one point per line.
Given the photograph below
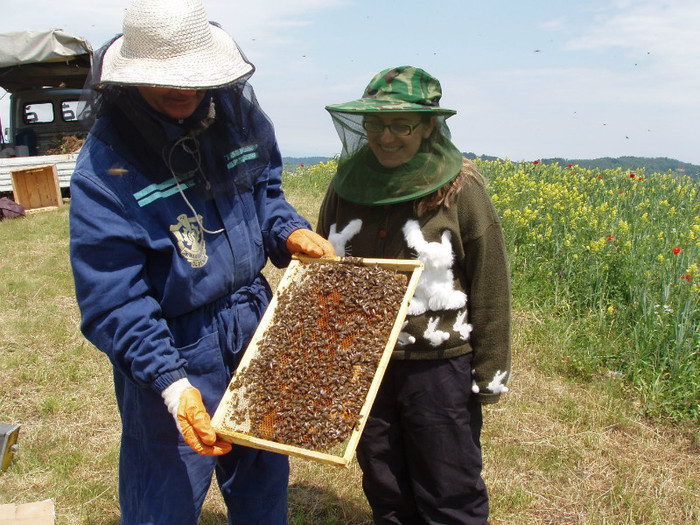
x=194 y=151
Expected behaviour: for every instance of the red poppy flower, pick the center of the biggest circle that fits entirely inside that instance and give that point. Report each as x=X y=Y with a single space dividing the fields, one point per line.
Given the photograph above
x=631 y=175
x=302 y=165
x=611 y=238
x=676 y=251
x=687 y=277
x=571 y=166
x=622 y=191
x=536 y=162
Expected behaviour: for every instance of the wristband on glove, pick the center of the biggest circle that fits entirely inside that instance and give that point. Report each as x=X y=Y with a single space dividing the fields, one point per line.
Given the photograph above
x=185 y=404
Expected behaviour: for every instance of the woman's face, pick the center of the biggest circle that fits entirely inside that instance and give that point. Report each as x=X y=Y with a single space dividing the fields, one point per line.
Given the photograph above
x=175 y=103
x=393 y=149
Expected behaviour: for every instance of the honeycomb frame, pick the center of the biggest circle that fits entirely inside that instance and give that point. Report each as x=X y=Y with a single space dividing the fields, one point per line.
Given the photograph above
x=233 y=421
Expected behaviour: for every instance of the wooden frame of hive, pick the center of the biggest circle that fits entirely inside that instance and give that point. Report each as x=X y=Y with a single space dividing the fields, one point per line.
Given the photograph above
x=220 y=420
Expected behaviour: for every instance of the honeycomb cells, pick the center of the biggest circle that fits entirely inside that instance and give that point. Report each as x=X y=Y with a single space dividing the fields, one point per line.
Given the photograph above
x=315 y=362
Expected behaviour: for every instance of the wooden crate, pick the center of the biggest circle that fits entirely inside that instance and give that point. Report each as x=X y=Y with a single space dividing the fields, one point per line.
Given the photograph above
x=235 y=395
x=36 y=187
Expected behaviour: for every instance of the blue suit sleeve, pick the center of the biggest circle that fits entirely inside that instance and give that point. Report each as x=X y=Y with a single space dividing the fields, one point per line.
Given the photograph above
x=118 y=315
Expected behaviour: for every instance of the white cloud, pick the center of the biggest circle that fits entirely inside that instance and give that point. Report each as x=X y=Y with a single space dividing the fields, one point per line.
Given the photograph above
x=613 y=78
x=660 y=30
x=576 y=112
x=622 y=81
x=267 y=21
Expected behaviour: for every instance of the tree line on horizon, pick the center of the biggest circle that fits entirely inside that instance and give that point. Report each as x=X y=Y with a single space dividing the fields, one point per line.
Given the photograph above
x=650 y=164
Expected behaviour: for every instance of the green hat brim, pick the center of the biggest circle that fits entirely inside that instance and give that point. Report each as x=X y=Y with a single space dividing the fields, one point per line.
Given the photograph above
x=370 y=105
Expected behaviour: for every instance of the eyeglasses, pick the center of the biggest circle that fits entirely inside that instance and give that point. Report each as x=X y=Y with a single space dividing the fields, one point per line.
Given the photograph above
x=402 y=130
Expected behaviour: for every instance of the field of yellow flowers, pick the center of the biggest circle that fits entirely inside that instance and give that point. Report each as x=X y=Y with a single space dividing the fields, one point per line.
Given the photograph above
x=616 y=254
x=613 y=256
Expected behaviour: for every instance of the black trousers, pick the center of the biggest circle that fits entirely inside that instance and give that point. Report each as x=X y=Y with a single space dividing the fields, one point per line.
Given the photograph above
x=420 y=452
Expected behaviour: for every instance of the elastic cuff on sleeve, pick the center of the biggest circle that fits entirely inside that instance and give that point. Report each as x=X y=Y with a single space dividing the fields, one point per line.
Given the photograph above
x=167 y=379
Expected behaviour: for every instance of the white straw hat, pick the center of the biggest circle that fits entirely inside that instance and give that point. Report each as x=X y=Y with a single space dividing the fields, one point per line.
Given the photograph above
x=171 y=43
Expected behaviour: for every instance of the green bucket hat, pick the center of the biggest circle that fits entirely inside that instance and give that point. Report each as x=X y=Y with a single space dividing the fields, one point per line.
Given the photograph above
x=404 y=88
x=360 y=177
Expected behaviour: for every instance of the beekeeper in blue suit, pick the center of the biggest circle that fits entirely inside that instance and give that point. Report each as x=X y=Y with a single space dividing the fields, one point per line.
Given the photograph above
x=176 y=206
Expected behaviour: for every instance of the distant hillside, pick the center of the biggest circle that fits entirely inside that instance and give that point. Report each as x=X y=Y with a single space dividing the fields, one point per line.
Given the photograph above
x=650 y=165
x=292 y=163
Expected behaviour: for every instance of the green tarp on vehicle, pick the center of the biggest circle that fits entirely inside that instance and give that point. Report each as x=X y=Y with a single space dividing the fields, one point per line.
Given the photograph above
x=34 y=59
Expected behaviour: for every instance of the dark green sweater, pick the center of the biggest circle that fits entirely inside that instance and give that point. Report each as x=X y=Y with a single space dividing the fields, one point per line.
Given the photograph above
x=462 y=303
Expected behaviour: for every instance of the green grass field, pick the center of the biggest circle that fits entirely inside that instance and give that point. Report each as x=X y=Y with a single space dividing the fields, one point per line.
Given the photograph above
x=600 y=426
x=616 y=253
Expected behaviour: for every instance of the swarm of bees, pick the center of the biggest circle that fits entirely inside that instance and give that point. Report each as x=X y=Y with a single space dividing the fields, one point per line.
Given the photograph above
x=314 y=365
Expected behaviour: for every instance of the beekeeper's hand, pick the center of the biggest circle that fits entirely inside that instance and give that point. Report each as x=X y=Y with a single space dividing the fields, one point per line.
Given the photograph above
x=184 y=402
x=309 y=243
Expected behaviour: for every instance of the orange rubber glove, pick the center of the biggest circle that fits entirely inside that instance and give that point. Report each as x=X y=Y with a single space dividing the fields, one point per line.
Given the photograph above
x=185 y=404
x=309 y=243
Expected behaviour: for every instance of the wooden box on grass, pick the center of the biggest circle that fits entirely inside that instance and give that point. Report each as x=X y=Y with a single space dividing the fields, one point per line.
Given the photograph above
x=314 y=365
x=36 y=187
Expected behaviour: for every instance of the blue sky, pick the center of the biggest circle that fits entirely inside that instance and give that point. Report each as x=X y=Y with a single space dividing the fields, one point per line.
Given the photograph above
x=529 y=80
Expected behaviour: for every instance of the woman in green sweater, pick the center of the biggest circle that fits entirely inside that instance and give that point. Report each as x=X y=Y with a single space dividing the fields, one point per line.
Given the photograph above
x=404 y=191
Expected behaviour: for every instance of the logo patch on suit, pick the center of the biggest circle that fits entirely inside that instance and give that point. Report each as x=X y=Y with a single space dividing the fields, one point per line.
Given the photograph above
x=190 y=240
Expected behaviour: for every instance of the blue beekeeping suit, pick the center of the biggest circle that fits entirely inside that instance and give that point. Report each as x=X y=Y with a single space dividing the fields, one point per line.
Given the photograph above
x=171 y=223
